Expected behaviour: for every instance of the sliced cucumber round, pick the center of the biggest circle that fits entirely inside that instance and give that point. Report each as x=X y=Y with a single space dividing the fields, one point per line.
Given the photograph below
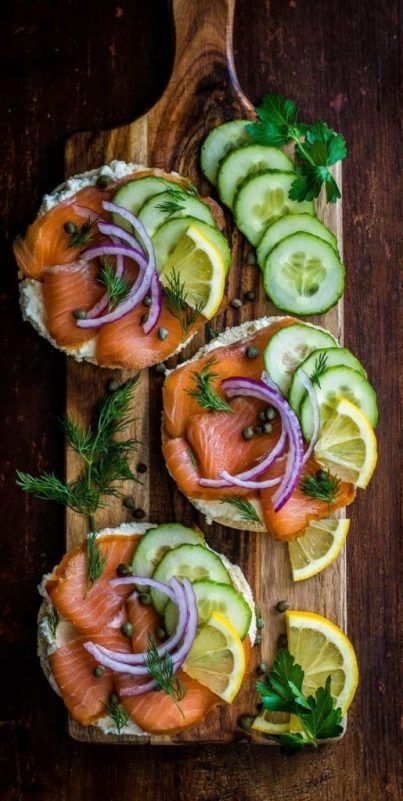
x=292 y=224
x=245 y=161
x=169 y=233
x=218 y=143
x=315 y=364
x=212 y=596
x=134 y=194
x=188 y=561
x=289 y=346
x=262 y=199
x=173 y=203
x=303 y=275
x=339 y=382
x=157 y=541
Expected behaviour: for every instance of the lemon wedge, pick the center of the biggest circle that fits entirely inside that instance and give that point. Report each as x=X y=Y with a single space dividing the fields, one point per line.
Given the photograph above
x=217 y=658
x=347 y=444
x=200 y=267
x=322 y=650
x=317 y=547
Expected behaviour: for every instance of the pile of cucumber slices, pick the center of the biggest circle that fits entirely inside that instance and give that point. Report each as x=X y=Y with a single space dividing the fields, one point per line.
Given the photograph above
x=175 y=550
x=167 y=210
x=302 y=270
x=334 y=371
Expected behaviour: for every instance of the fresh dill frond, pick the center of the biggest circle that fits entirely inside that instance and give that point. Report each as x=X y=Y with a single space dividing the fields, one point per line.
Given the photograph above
x=82 y=234
x=118 y=713
x=53 y=619
x=177 y=302
x=162 y=671
x=79 y=438
x=204 y=393
x=319 y=369
x=174 y=203
x=95 y=560
x=116 y=286
x=321 y=486
x=245 y=507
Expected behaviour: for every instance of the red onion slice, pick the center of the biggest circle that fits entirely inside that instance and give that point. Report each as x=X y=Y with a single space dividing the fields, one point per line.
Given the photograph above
x=248 y=484
x=117 y=233
x=156 y=304
x=141 y=581
x=316 y=413
x=247 y=478
x=114 y=249
x=139 y=231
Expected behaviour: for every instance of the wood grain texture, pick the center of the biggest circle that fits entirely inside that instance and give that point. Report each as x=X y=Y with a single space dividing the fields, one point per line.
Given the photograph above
x=203 y=83
x=340 y=61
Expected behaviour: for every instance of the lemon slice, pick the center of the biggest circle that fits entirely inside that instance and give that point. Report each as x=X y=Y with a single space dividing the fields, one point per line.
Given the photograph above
x=323 y=650
x=269 y=722
x=347 y=444
x=217 y=658
x=200 y=267
x=318 y=547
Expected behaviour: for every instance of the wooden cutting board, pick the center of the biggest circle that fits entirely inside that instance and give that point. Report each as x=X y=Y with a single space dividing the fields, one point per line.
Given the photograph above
x=203 y=91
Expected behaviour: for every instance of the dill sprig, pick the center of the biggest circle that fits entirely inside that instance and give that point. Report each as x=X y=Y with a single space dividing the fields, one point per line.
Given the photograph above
x=82 y=234
x=95 y=560
x=53 y=619
x=174 y=203
x=205 y=393
x=177 y=303
x=104 y=454
x=116 y=286
x=118 y=713
x=321 y=486
x=245 y=507
x=161 y=669
x=319 y=369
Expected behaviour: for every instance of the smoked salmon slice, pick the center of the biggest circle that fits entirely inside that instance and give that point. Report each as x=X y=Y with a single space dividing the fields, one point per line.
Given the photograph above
x=84 y=695
x=182 y=466
x=65 y=289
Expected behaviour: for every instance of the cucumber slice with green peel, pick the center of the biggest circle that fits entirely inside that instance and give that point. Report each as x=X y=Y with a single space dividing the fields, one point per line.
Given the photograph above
x=320 y=360
x=212 y=596
x=262 y=199
x=303 y=275
x=134 y=194
x=169 y=233
x=339 y=382
x=246 y=161
x=169 y=205
x=220 y=141
x=155 y=543
x=292 y=224
x=188 y=561
x=288 y=348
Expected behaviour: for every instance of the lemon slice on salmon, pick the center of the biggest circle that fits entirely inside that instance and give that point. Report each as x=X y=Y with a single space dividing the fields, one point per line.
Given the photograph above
x=318 y=547
x=347 y=444
x=217 y=658
x=200 y=267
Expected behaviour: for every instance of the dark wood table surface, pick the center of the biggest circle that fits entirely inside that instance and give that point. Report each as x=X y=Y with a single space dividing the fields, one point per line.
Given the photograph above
x=88 y=65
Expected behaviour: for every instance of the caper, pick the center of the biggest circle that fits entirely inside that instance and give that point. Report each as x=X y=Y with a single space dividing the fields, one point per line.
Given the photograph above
x=161 y=633
x=267 y=428
x=80 y=314
x=141 y=467
x=86 y=227
x=145 y=598
x=160 y=368
x=98 y=671
x=128 y=502
x=113 y=385
x=249 y=295
x=236 y=303
x=139 y=513
x=258 y=639
x=103 y=181
x=251 y=258
x=114 y=699
x=252 y=352
x=259 y=623
x=258 y=429
x=124 y=570
x=70 y=227
x=282 y=641
x=127 y=629
x=147 y=301
x=247 y=432
x=262 y=668
x=162 y=333
x=282 y=606
x=144 y=318
x=262 y=415
x=245 y=721
x=320 y=475
x=270 y=413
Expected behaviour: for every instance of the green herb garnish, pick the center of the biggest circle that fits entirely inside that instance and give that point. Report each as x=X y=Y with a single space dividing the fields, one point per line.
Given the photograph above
x=245 y=507
x=174 y=203
x=82 y=235
x=116 y=286
x=118 y=713
x=95 y=560
x=106 y=458
x=319 y=369
x=321 y=486
x=282 y=692
x=204 y=393
x=177 y=303
x=161 y=669
x=317 y=146
x=53 y=619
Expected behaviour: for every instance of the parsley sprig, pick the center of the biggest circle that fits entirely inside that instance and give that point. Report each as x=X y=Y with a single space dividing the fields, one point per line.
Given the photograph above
x=105 y=455
x=282 y=692
x=162 y=671
x=317 y=147
x=204 y=393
